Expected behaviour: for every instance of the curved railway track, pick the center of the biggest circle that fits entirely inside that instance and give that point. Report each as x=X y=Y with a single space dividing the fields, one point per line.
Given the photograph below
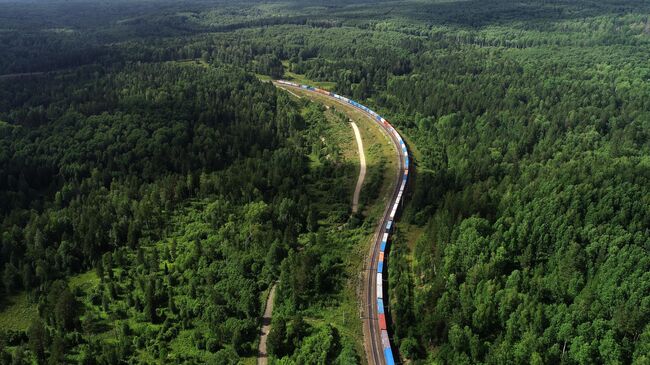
x=377 y=344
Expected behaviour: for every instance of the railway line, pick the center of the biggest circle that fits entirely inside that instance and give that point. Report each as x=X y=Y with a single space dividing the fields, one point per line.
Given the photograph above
x=377 y=343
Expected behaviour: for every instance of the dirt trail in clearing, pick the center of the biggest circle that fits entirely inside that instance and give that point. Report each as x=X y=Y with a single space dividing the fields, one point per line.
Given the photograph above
x=362 y=171
x=262 y=355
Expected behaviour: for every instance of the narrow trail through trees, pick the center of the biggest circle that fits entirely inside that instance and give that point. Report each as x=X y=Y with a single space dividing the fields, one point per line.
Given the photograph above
x=262 y=354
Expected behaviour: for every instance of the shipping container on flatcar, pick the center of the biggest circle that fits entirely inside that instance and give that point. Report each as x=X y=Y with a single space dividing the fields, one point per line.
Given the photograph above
x=382 y=321
x=385 y=342
x=388 y=355
x=380 y=288
x=392 y=213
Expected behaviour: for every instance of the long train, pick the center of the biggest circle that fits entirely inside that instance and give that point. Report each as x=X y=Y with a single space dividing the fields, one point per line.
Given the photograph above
x=386 y=230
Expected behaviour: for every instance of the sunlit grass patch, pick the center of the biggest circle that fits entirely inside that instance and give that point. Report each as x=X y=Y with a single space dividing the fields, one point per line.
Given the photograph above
x=18 y=313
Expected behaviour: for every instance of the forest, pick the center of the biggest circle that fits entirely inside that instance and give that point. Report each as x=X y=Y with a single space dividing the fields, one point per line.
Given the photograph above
x=148 y=207
x=153 y=187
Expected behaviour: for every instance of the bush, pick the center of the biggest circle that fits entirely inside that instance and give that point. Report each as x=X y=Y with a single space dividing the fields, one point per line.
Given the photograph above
x=212 y=345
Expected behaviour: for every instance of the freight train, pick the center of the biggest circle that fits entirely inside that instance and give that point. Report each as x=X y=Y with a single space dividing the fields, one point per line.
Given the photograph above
x=386 y=229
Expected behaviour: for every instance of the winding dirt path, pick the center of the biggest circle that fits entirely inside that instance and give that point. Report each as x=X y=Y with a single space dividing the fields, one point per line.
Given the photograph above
x=291 y=92
x=362 y=171
x=262 y=355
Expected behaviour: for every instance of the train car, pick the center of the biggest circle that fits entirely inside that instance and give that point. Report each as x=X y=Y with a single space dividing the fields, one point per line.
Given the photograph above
x=382 y=321
x=324 y=92
x=388 y=355
x=392 y=213
x=389 y=225
x=385 y=342
x=380 y=288
x=380 y=266
x=380 y=306
x=384 y=241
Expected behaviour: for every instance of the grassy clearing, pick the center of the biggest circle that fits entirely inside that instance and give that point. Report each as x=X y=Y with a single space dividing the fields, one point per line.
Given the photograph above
x=18 y=313
x=248 y=361
x=411 y=234
x=85 y=281
x=264 y=78
x=196 y=62
x=301 y=79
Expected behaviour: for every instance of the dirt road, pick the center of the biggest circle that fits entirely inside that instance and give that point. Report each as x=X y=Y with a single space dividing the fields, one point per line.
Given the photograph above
x=362 y=170
x=262 y=356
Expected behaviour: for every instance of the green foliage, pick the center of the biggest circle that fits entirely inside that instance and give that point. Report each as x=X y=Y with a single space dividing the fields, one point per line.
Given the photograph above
x=151 y=155
x=286 y=335
x=320 y=348
x=38 y=339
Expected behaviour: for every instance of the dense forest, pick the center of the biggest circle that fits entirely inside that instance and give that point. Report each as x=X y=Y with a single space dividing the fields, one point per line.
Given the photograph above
x=153 y=188
x=153 y=204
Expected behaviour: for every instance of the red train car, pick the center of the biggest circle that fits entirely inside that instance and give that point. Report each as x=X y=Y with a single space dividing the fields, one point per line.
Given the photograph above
x=382 y=321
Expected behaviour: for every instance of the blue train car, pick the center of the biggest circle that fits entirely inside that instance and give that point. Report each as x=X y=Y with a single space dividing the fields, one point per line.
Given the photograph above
x=388 y=354
x=389 y=225
x=380 y=267
x=380 y=306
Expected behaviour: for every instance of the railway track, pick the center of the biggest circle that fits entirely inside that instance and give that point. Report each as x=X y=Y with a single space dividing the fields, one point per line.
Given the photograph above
x=377 y=344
